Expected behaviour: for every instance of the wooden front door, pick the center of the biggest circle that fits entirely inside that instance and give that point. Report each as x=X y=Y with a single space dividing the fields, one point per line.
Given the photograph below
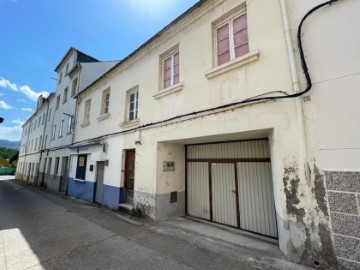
x=129 y=176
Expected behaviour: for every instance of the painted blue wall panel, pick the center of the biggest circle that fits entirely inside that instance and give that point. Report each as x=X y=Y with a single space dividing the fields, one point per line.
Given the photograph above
x=81 y=190
x=112 y=196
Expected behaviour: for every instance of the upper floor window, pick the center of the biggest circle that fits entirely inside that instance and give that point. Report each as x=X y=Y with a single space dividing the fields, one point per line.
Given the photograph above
x=53 y=132
x=170 y=69
x=105 y=101
x=57 y=102
x=231 y=39
x=67 y=69
x=49 y=115
x=43 y=119
x=132 y=101
x=66 y=90
x=74 y=87
x=60 y=77
x=87 y=111
x=39 y=121
x=70 y=125
x=61 y=128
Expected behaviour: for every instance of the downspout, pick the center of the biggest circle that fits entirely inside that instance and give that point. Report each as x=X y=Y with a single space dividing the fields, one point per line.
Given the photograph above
x=296 y=89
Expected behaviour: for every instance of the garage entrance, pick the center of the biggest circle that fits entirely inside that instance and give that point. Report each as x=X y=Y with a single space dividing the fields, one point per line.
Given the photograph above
x=230 y=183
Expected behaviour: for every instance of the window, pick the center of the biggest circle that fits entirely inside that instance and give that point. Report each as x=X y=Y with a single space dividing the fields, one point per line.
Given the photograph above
x=61 y=128
x=232 y=39
x=53 y=132
x=170 y=69
x=81 y=167
x=70 y=125
x=45 y=160
x=49 y=115
x=65 y=94
x=57 y=102
x=40 y=143
x=36 y=143
x=67 y=69
x=60 y=77
x=133 y=105
x=49 y=166
x=43 y=119
x=45 y=141
x=105 y=101
x=39 y=121
x=56 y=168
x=74 y=87
x=35 y=125
x=87 y=111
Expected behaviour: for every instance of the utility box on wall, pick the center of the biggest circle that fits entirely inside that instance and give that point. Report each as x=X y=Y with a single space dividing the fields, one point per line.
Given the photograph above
x=169 y=166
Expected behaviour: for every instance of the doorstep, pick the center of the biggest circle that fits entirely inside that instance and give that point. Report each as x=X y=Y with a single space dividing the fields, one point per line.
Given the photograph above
x=126 y=206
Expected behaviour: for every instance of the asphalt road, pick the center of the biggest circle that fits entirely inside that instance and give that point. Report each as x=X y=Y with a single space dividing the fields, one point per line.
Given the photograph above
x=40 y=230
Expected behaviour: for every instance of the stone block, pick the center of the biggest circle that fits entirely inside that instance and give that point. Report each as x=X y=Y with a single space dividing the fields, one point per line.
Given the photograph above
x=345 y=224
x=343 y=181
x=348 y=265
x=348 y=248
x=343 y=203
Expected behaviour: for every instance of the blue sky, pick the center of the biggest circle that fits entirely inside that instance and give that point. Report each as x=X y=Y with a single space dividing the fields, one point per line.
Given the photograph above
x=35 y=35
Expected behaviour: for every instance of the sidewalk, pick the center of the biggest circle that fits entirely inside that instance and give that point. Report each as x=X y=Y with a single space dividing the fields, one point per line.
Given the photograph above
x=181 y=243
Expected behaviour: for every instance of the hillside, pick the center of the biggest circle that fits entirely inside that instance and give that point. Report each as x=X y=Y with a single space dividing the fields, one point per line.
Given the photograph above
x=10 y=144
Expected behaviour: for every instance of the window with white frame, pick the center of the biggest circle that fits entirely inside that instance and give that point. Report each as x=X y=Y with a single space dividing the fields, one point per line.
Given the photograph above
x=61 y=128
x=132 y=104
x=66 y=90
x=87 y=111
x=49 y=115
x=43 y=119
x=105 y=102
x=53 y=132
x=70 y=125
x=231 y=38
x=170 y=69
x=39 y=122
x=40 y=142
x=74 y=87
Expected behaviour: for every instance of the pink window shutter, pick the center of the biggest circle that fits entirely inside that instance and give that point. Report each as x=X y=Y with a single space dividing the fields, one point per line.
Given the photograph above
x=223 y=44
x=240 y=36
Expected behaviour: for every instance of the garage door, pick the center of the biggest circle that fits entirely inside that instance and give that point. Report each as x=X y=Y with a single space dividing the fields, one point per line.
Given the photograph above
x=230 y=183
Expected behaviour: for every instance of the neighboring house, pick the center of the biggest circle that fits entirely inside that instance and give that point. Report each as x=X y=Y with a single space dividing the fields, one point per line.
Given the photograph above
x=75 y=70
x=331 y=116
x=33 y=142
x=201 y=121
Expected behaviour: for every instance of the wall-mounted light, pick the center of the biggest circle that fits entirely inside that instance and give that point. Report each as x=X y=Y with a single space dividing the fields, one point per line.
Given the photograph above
x=137 y=137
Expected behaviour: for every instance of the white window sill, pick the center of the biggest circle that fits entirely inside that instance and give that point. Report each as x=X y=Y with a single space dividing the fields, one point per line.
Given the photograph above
x=79 y=180
x=172 y=89
x=85 y=124
x=103 y=117
x=236 y=63
x=130 y=124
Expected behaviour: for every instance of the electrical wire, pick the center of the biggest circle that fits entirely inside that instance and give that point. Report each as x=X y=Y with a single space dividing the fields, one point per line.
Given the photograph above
x=254 y=99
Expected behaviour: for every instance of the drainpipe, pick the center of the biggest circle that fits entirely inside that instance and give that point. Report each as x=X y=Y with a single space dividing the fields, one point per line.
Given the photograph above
x=296 y=88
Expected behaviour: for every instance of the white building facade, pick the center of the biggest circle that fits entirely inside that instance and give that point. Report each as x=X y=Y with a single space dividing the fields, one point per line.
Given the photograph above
x=208 y=119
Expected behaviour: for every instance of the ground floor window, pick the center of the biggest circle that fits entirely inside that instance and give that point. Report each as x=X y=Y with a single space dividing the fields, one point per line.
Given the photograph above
x=81 y=167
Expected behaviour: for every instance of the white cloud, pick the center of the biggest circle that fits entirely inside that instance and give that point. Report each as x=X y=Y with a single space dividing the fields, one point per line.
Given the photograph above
x=18 y=122
x=25 y=89
x=26 y=109
x=4 y=105
x=7 y=84
x=11 y=133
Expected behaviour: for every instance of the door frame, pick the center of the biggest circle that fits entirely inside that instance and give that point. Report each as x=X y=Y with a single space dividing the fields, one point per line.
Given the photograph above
x=126 y=171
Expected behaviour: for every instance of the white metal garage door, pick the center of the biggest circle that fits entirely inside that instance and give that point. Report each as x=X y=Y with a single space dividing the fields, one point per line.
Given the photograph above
x=230 y=183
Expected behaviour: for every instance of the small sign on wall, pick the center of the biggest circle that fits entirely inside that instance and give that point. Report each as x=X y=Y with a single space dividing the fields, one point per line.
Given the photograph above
x=168 y=166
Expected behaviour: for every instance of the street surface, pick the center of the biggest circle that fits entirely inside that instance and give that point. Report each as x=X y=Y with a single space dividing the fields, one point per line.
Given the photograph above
x=40 y=230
